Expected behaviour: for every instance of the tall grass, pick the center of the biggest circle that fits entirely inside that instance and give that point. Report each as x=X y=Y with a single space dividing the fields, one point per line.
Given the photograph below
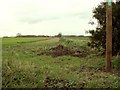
x=21 y=68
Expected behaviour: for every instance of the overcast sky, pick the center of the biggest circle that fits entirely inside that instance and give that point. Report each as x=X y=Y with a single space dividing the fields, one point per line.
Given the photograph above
x=48 y=17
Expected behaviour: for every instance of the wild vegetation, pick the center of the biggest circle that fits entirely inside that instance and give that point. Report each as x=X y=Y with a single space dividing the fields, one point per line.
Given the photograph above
x=49 y=62
x=98 y=38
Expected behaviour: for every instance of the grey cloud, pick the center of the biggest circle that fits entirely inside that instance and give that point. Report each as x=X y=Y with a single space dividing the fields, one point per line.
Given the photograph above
x=34 y=20
x=37 y=20
x=76 y=14
x=82 y=15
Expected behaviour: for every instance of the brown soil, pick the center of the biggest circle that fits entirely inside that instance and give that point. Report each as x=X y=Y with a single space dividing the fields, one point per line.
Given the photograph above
x=61 y=50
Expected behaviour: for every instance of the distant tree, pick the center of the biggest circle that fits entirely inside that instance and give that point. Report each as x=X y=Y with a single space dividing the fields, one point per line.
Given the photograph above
x=19 y=35
x=59 y=35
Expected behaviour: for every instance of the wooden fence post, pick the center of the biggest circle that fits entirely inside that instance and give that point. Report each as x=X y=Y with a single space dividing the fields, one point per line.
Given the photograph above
x=108 y=35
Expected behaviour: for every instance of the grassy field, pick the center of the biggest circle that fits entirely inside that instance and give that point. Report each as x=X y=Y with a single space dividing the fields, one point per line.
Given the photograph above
x=65 y=62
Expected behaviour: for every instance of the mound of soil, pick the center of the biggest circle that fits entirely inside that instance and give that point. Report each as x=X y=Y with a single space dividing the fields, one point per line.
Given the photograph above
x=61 y=50
x=51 y=82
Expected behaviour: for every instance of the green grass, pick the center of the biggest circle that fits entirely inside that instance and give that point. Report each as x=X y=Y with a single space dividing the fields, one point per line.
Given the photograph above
x=21 y=68
x=72 y=41
x=13 y=40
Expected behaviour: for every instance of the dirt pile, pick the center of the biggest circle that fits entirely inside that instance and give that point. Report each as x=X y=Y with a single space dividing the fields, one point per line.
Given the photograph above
x=51 y=82
x=61 y=50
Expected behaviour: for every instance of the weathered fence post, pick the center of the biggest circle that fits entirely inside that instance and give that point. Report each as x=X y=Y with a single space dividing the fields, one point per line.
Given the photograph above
x=108 y=35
